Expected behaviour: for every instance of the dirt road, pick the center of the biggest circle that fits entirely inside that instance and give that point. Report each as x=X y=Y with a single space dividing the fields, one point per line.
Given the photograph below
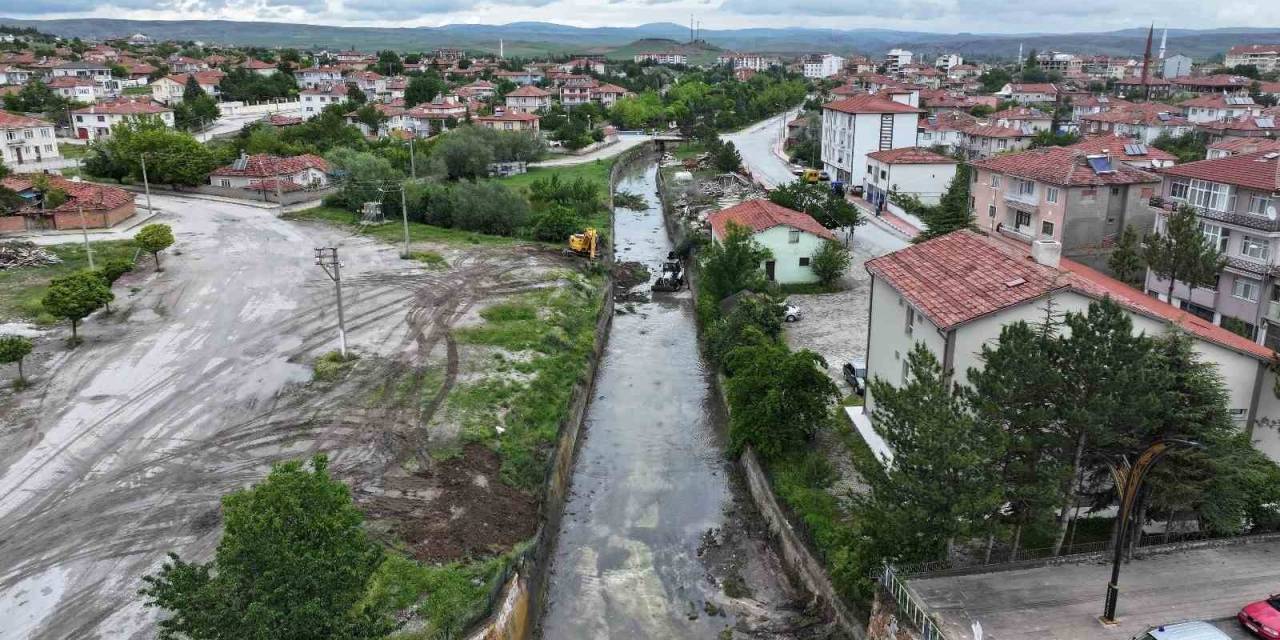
x=195 y=385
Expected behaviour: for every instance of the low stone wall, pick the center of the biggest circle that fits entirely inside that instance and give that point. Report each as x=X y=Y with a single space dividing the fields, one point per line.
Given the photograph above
x=13 y=224
x=235 y=193
x=94 y=219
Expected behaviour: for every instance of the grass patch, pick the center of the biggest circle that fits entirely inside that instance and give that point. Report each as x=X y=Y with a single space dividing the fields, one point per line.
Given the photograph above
x=22 y=289
x=137 y=91
x=429 y=258
x=852 y=400
x=389 y=232
x=72 y=151
x=803 y=481
x=809 y=288
x=332 y=365
x=596 y=170
x=556 y=328
x=449 y=598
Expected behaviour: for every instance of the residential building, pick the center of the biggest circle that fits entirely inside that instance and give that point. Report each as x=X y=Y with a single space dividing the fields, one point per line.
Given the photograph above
x=1176 y=66
x=753 y=61
x=953 y=294
x=1058 y=62
x=1266 y=57
x=1138 y=88
x=1083 y=105
x=435 y=115
x=528 y=98
x=96 y=71
x=910 y=171
x=76 y=89
x=1082 y=201
x=267 y=172
x=1024 y=118
x=1121 y=149
x=665 y=57
x=522 y=78
x=948 y=61
x=1143 y=122
x=169 y=89
x=26 y=140
x=607 y=94
x=88 y=205
x=945 y=129
x=394 y=113
x=370 y=83
x=1219 y=106
x=14 y=75
x=1029 y=93
x=791 y=237
x=823 y=65
x=509 y=121
x=259 y=67
x=577 y=90
x=985 y=141
x=315 y=99
x=95 y=121
x=587 y=65
x=1236 y=198
x=1216 y=83
x=185 y=64
x=1239 y=146
x=896 y=59
x=313 y=77
x=1261 y=126
x=855 y=126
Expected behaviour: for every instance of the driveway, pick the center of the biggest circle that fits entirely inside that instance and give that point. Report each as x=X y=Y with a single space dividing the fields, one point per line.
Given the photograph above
x=190 y=389
x=624 y=142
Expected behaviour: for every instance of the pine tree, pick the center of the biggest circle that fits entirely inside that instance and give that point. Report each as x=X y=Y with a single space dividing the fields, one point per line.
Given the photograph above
x=192 y=89
x=1182 y=253
x=950 y=214
x=1126 y=258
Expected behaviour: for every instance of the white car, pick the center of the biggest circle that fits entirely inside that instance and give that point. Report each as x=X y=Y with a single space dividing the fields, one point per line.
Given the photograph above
x=1193 y=630
x=790 y=312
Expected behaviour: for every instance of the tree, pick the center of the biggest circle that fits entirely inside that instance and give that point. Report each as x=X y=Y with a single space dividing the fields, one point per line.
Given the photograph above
x=556 y=223
x=196 y=112
x=1189 y=147
x=354 y=94
x=1126 y=258
x=733 y=263
x=950 y=214
x=726 y=158
x=1048 y=138
x=994 y=80
x=371 y=117
x=817 y=200
x=368 y=177
x=830 y=262
x=153 y=239
x=15 y=349
x=488 y=207
x=389 y=63
x=943 y=483
x=461 y=155
x=112 y=270
x=423 y=88
x=780 y=398
x=192 y=88
x=293 y=564
x=1183 y=253
x=74 y=297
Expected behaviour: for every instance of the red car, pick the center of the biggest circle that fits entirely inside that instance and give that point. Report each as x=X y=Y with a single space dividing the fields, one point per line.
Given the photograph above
x=1262 y=617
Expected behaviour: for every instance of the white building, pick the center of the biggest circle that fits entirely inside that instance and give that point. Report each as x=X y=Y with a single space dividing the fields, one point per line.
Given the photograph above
x=823 y=66
x=528 y=98
x=96 y=71
x=268 y=172
x=26 y=140
x=666 y=57
x=95 y=121
x=1265 y=56
x=954 y=293
x=910 y=171
x=1176 y=66
x=948 y=60
x=791 y=236
x=753 y=61
x=1219 y=106
x=896 y=59
x=82 y=90
x=858 y=125
x=315 y=99
x=319 y=76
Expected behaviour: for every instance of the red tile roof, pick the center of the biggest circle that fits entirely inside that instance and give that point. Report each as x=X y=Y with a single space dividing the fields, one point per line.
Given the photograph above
x=265 y=165
x=254 y=63
x=1117 y=146
x=761 y=215
x=67 y=82
x=528 y=91
x=1061 y=166
x=1273 y=49
x=1214 y=101
x=1221 y=80
x=994 y=131
x=963 y=276
x=869 y=104
x=1236 y=146
x=910 y=155
x=1042 y=87
x=1020 y=113
x=1259 y=170
x=510 y=116
x=1261 y=125
x=12 y=120
x=86 y=195
x=124 y=108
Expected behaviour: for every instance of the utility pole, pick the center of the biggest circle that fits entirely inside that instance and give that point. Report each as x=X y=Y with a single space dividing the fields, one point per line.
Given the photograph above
x=327 y=258
x=279 y=197
x=84 y=229
x=413 y=164
x=146 y=186
x=404 y=213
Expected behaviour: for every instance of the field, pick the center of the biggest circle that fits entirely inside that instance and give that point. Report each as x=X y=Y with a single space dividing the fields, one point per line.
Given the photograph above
x=21 y=289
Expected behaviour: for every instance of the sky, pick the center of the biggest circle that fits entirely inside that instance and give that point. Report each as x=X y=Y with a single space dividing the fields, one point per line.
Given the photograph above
x=946 y=16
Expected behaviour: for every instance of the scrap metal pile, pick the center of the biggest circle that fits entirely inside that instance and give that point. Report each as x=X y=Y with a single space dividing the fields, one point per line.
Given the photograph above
x=25 y=254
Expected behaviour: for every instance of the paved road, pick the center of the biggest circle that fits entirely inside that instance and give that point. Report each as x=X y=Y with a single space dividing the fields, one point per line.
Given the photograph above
x=624 y=142
x=1064 y=602
x=124 y=446
x=756 y=144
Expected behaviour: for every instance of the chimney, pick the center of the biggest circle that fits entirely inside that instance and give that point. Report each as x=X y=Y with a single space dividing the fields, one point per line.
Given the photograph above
x=1046 y=252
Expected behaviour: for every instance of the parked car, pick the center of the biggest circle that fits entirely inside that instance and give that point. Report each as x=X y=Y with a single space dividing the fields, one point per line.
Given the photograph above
x=790 y=312
x=1262 y=617
x=855 y=373
x=1193 y=630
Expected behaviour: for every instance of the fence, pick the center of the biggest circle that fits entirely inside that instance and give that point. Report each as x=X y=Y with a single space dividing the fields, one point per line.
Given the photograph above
x=909 y=607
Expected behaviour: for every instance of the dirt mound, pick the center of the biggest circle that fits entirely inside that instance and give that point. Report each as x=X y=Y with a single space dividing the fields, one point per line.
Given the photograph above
x=629 y=274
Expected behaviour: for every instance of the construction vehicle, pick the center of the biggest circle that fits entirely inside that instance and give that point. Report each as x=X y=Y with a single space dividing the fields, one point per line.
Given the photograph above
x=672 y=278
x=585 y=244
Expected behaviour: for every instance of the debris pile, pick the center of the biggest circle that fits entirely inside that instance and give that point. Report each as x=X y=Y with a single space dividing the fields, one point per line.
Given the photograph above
x=629 y=274
x=25 y=254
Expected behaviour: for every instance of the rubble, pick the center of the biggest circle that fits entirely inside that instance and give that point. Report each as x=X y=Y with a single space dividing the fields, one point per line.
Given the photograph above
x=15 y=254
x=629 y=274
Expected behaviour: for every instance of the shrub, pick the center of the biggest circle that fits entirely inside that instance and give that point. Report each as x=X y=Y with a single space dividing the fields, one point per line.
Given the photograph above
x=556 y=224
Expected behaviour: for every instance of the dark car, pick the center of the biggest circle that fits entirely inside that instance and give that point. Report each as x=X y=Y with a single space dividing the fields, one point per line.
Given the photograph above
x=855 y=373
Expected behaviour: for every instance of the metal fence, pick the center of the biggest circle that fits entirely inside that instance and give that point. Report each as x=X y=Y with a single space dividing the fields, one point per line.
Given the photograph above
x=909 y=607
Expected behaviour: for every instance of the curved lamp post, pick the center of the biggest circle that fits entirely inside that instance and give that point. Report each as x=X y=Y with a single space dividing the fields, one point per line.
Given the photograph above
x=1128 y=479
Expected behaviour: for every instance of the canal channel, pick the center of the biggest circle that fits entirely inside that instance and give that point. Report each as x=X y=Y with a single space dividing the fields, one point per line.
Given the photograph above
x=659 y=539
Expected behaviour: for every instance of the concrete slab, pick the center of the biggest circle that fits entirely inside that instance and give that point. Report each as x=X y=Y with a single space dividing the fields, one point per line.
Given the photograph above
x=1064 y=602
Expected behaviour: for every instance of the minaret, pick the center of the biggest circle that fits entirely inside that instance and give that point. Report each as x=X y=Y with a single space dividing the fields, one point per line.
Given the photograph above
x=1164 y=39
x=501 y=49
x=1019 y=54
x=1146 y=64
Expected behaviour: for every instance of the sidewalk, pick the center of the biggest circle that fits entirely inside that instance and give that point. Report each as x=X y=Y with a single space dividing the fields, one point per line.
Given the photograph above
x=887 y=219
x=608 y=151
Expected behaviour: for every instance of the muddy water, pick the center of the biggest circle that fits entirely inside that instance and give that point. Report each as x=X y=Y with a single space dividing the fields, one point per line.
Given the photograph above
x=655 y=524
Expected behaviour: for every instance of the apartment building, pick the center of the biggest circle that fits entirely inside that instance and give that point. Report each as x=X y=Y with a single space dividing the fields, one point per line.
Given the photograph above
x=528 y=98
x=1264 y=56
x=26 y=140
x=823 y=66
x=315 y=99
x=753 y=61
x=1144 y=122
x=985 y=141
x=947 y=61
x=95 y=121
x=1024 y=118
x=1079 y=200
x=855 y=126
x=896 y=59
x=1236 y=198
x=664 y=57
x=577 y=90
x=1219 y=106
x=910 y=171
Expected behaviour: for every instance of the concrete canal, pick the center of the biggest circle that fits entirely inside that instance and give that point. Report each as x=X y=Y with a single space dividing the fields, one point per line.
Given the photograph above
x=659 y=539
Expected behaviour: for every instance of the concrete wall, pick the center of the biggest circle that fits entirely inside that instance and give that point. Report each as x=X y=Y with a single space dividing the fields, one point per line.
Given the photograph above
x=888 y=341
x=93 y=219
x=925 y=181
x=787 y=254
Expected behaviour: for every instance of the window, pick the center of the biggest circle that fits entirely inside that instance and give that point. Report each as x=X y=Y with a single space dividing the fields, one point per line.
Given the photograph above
x=906 y=371
x=793 y=236
x=995 y=181
x=870 y=171
x=1178 y=190
x=1256 y=248
x=883 y=174
x=1023 y=219
x=1208 y=195
x=224 y=183
x=1024 y=187
x=1245 y=289
x=1051 y=195
x=1115 y=191
x=991 y=211
x=911 y=320
x=1046 y=229
x=1215 y=234
x=804 y=262
x=1258 y=204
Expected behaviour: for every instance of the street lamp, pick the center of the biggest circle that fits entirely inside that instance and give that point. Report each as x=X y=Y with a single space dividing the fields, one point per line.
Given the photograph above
x=1128 y=480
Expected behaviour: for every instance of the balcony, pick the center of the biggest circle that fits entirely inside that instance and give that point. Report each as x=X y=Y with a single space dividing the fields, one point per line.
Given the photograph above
x=1031 y=200
x=1250 y=221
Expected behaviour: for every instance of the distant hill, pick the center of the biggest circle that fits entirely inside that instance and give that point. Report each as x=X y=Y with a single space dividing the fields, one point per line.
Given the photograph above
x=699 y=52
x=530 y=38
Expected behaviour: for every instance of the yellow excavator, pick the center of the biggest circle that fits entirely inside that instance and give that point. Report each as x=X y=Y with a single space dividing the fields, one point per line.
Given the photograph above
x=586 y=244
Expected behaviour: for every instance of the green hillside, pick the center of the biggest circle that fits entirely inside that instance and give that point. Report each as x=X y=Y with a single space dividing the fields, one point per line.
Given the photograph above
x=700 y=52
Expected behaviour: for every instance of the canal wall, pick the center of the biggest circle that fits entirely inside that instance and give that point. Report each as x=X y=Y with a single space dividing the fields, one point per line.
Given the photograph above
x=517 y=605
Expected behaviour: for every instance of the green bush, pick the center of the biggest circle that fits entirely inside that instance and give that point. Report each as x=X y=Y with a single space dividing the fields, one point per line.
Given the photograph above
x=556 y=224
